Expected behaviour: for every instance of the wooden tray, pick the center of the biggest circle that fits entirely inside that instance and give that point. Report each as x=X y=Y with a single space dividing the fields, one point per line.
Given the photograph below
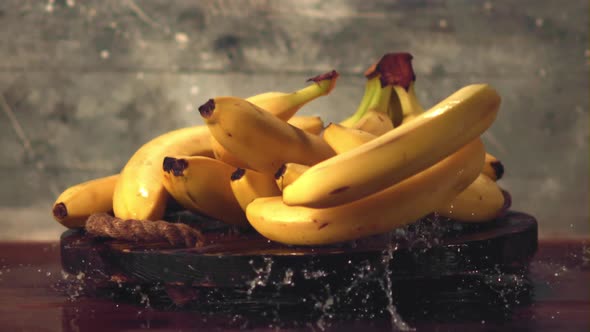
x=434 y=268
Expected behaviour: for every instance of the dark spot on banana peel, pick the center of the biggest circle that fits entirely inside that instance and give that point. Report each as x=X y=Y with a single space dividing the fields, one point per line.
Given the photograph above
x=339 y=190
x=207 y=108
x=325 y=76
x=238 y=174
x=229 y=134
x=174 y=166
x=323 y=225
x=394 y=69
x=498 y=169
x=280 y=172
x=60 y=211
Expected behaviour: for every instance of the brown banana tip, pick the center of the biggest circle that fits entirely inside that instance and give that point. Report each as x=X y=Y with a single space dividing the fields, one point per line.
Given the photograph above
x=498 y=169
x=60 y=211
x=395 y=69
x=238 y=174
x=174 y=166
x=331 y=75
x=507 y=202
x=207 y=108
x=280 y=172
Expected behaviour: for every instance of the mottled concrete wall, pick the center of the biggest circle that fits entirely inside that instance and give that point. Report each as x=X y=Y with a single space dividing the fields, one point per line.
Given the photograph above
x=84 y=83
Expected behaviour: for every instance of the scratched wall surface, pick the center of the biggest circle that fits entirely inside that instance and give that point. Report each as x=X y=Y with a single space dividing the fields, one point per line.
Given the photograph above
x=84 y=83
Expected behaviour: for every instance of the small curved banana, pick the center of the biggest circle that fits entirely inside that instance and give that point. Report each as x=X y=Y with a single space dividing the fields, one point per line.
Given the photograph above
x=78 y=202
x=202 y=185
x=374 y=122
x=247 y=185
x=284 y=105
x=139 y=193
x=288 y=173
x=481 y=201
x=398 y=205
x=398 y=154
x=493 y=167
x=263 y=140
x=311 y=124
x=342 y=139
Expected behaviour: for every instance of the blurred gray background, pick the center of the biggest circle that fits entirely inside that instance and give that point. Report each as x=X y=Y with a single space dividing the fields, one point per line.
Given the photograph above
x=84 y=83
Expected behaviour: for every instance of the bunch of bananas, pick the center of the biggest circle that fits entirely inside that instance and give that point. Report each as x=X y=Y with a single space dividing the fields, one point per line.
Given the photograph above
x=255 y=163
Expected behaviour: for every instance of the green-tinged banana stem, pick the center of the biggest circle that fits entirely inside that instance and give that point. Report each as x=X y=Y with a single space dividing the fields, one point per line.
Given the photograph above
x=372 y=88
x=398 y=205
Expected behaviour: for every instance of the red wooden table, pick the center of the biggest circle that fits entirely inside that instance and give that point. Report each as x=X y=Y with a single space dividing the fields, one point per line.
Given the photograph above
x=33 y=298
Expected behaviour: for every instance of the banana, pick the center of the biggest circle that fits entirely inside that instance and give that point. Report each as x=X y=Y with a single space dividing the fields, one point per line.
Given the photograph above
x=342 y=139
x=265 y=141
x=248 y=185
x=139 y=192
x=481 y=201
x=201 y=184
x=393 y=207
x=285 y=105
x=288 y=173
x=493 y=167
x=77 y=203
x=310 y=124
x=376 y=123
x=398 y=154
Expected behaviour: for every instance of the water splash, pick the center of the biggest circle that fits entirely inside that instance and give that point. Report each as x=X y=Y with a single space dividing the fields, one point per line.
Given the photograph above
x=262 y=275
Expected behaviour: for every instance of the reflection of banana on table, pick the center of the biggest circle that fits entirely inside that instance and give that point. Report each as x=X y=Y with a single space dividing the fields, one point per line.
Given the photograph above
x=256 y=163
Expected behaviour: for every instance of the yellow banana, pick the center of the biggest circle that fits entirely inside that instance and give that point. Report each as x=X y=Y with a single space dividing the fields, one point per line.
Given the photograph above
x=493 y=167
x=285 y=105
x=248 y=185
x=482 y=200
x=342 y=139
x=77 y=203
x=310 y=124
x=265 y=141
x=288 y=173
x=374 y=122
x=398 y=154
x=139 y=193
x=202 y=185
x=398 y=205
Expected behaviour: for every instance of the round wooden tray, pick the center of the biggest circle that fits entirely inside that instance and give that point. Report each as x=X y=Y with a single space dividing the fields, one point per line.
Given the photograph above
x=430 y=266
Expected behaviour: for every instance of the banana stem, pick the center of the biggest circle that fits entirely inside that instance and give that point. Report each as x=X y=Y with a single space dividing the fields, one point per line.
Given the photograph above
x=372 y=88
